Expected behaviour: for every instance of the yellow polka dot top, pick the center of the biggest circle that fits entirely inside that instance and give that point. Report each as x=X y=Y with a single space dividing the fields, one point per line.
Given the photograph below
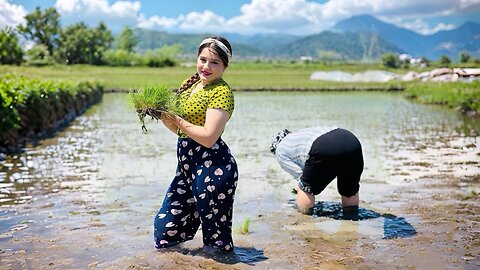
x=216 y=95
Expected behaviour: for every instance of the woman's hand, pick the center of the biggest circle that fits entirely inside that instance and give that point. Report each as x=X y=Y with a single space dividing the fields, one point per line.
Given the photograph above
x=305 y=202
x=168 y=120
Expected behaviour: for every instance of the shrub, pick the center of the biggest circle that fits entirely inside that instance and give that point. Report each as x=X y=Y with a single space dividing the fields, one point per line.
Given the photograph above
x=38 y=55
x=390 y=60
x=33 y=107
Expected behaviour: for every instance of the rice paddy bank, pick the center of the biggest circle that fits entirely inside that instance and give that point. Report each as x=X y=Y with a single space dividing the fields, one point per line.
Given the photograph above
x=32 y=108
x=462 y=96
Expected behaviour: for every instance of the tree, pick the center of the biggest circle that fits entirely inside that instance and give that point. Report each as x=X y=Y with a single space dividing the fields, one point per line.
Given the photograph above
x=464 y=57
x=126 y=40
x=80 y=44
x=444 y=60
x=10 y=51
x=425 y=60
x=42 y=27
x=164 y=56
x=101 y=41
x=390 y=60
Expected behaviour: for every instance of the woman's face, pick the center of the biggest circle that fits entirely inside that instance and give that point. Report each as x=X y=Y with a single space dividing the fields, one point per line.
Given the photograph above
x=209 y=66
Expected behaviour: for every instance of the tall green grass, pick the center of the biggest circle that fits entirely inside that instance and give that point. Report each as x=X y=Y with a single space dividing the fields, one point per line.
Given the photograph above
x=153 y=101
x=463 y=96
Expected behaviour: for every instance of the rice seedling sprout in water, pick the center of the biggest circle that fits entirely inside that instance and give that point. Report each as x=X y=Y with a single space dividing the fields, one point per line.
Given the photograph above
x=153 y=101
x=244 y=228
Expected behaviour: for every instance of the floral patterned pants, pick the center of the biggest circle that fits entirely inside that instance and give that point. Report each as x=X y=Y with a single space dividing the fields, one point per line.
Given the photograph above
x=202 y=192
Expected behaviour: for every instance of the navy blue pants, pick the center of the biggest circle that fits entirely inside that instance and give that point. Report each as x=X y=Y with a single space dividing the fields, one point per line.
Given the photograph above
x=202 y=192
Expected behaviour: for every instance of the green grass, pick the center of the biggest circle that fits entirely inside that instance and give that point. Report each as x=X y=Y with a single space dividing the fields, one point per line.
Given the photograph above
x=244 y=228
x=113 y=78
x=241 y=75
x=153 y=101
x=462 y=96
x=159 y=98
x=263 y=76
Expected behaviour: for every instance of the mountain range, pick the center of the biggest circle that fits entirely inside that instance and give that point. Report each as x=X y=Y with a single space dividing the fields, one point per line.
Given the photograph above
x=357 y=38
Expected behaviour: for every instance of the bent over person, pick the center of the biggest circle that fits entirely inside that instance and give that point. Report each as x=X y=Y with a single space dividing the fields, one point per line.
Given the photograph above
x=315 y=156
x=203 y=189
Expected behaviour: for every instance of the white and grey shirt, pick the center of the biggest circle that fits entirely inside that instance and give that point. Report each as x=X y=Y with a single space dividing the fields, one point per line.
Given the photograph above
x=292 y=151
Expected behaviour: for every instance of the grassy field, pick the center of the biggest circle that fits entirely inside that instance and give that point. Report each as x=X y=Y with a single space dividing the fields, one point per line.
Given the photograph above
x=261 y=76
x=250 y=76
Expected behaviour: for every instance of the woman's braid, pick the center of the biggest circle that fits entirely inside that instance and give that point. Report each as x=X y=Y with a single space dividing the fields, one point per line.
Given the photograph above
x=195 y=77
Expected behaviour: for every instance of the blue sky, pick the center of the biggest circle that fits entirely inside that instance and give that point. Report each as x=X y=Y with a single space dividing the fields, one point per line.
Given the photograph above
x=299 y=17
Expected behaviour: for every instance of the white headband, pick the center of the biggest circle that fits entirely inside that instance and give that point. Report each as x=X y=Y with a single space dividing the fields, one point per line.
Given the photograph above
x=219 y=44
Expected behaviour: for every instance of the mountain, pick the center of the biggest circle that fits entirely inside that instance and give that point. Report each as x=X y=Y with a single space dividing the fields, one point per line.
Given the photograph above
x=465 y=38
x=450 y=43
x=148 y=40
x=357 y=38
x=264 y=41
x=344 y=46
x=326 y=45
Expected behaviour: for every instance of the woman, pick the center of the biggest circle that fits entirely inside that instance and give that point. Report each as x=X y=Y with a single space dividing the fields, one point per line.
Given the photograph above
x=203 y=188
x=314 y=157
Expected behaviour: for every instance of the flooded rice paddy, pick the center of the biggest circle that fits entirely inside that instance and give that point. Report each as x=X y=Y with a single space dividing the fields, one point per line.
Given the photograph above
x=86 y=197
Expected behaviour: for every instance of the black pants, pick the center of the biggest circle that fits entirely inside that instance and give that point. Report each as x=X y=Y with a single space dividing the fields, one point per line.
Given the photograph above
x=337 y=153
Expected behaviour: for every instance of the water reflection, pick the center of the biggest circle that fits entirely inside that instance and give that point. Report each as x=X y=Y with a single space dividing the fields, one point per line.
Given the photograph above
x=62 y=162
x=393 y=226
x=105 y=147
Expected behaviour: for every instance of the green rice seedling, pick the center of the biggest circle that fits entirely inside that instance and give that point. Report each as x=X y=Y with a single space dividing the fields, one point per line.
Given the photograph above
x=153 y=101
x=244 y=228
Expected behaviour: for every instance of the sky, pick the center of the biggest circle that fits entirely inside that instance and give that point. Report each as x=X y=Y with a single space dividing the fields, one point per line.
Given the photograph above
x=298 y=17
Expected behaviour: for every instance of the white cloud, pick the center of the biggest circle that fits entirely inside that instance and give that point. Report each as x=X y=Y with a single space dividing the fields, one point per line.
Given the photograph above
x=11 y=15
x=289 y=16
x=405 y=13
x=305 y=17
x=116 y=15
x=276 y=14
x=422 y=27
x=201 y=22
x=156 y=22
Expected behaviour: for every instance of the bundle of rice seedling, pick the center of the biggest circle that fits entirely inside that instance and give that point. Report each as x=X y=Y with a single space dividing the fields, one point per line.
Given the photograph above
x=153 y=101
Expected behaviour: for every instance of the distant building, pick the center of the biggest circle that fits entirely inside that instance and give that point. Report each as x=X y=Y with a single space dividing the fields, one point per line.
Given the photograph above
x=404 y=57
x=410 y=59
x=306 y=58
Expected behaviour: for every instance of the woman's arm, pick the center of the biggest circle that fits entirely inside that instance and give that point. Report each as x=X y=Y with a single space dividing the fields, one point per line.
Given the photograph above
x=288 y=164
x=208 y=134
x=167 y=121
x=305 y=202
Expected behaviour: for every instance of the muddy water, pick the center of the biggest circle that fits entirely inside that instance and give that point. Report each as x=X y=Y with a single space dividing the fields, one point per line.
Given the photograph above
x=86 y=198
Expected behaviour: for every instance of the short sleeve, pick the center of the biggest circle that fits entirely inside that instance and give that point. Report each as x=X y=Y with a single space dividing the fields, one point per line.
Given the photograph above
x=222 y=99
